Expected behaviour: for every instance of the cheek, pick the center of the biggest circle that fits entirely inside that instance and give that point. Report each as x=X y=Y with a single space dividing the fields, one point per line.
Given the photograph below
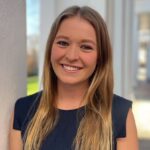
x=91 y=60
x=55 y=54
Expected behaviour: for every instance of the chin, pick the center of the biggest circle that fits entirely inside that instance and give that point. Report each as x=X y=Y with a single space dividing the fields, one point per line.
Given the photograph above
x=72 y=81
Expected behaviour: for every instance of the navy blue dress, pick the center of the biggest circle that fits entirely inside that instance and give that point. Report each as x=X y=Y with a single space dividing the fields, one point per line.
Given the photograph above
x=62 y=136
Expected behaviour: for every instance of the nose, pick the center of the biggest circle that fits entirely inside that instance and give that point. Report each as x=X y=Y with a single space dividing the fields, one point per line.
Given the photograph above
x=72 y=53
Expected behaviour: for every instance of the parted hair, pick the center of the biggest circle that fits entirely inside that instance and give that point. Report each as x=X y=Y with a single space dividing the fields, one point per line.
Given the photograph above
x=95 y=128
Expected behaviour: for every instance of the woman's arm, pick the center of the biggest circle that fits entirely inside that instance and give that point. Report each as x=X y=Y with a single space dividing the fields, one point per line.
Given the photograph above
x=130 y=142
x=15 y=141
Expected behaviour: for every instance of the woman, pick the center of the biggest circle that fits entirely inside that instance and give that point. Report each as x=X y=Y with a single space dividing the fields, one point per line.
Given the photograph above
x=77 y=108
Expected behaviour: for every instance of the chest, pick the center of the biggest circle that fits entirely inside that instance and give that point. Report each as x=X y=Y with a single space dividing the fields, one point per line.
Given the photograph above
x=62 y=137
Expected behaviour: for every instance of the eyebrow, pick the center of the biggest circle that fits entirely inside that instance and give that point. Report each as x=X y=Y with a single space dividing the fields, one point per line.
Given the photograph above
x=89 y=41
x=62 y=37
x=84 y=40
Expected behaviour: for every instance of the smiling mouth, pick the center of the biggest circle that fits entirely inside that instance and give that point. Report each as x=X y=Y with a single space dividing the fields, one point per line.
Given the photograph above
x=70 y=68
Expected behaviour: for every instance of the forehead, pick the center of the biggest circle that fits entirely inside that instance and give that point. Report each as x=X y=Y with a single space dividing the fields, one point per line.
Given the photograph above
x=77 y=26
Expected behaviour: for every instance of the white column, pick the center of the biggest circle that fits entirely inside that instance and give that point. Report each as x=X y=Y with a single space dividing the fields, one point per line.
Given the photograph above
x=47 y=15
x=119 y=21
x=12 y=61
x=135 y=51
x=128 y=47
x=148 y=61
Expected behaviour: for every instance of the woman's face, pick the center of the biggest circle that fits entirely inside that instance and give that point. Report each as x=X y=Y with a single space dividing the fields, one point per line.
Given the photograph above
x=74 y=51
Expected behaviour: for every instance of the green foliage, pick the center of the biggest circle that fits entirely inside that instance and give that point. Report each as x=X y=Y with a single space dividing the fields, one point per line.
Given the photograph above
x=32 y=85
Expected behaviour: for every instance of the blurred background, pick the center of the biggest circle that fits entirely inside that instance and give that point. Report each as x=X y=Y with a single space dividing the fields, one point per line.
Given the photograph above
x=23 y=40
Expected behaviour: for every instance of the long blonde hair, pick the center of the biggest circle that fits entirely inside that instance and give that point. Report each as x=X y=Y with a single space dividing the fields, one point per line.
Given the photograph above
x=95 y=129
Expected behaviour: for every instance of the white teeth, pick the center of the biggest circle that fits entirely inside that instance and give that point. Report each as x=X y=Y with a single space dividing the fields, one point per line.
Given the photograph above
x=70 y=68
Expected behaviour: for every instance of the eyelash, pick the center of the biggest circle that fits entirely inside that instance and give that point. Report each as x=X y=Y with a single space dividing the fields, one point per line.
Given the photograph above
x=83 y=47
x=86 y=47
x=63 y=43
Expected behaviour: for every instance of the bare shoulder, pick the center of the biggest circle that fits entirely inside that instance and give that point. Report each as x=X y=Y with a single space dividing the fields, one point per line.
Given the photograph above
x=15 y=141
x=130 y=142
x=23 y=110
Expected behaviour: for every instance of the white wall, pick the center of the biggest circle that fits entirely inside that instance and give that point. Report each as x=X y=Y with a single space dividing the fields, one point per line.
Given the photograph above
x=12 y=61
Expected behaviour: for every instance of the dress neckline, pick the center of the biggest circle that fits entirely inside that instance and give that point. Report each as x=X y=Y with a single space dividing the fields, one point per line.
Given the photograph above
x=71 y=110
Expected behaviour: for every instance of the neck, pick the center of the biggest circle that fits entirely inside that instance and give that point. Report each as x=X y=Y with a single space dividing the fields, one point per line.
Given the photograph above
x=70 y=96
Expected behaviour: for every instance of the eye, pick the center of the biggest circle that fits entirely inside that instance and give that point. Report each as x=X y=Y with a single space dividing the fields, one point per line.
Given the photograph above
x=62 y=43
x=86 y=47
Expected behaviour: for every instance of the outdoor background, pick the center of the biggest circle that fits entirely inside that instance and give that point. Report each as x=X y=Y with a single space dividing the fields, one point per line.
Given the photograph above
x=24 y=28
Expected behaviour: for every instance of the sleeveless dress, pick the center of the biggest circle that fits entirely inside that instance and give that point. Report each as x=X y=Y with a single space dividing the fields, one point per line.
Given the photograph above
x=62 y=136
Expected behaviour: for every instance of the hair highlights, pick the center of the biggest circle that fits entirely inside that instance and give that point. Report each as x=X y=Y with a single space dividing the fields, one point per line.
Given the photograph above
x=98 y=96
